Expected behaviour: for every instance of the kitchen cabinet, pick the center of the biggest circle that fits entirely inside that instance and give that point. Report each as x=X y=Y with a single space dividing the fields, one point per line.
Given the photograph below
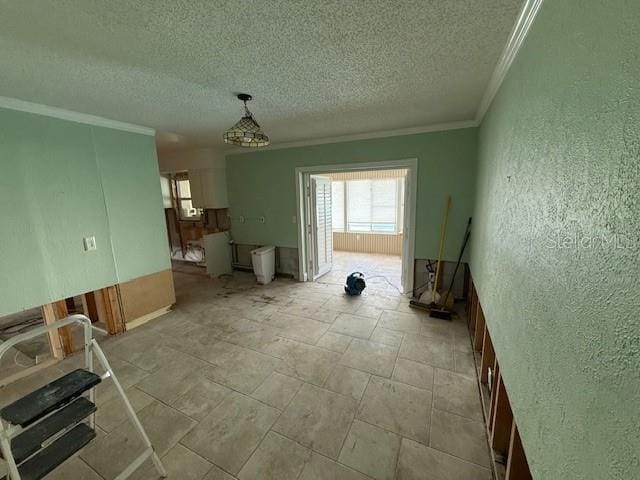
x=208 y=188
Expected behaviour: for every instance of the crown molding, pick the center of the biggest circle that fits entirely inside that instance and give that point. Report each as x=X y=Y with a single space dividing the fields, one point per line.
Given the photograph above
x=359 y=136
x=38 y=109
x=516 y=38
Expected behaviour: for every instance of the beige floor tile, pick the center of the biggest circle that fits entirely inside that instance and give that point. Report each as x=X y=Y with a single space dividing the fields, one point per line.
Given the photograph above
x=229 y=434
x=199 y=400
x=217 y=473
x=464 y=363
x=276 y=458
x=325 y=315
x=127 y=374
x=172 y=381
x=73 y=469
x=375 y=358
x=306 y=362
x=239 y=368
x=413 y=373
x=335 y=342
x=253 y=335
x=392 y=338
x=427 y=350
x=113 y=413
x=347 y=381
x=418 y=462
x=437 y=329
x=403 y=322
x=277 y=390
x=323 y=468
x=394 y=406
x=318 y=419
x=343 y=303
x=457 y=394
x=371 y=450
x=462 y=342
x=297 y=328
x=459 y=436
x=384 y=302
x=164 y=426
x=354 y=325
x=146 y=351
x=370 y=311
x=180 y=464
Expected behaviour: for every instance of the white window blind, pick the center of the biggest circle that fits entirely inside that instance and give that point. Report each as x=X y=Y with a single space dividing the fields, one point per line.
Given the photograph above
x=372 y=205
x=359 y=205
x=337 y=205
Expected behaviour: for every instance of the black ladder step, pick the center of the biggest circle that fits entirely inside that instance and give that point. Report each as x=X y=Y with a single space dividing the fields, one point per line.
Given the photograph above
x=52 y=396
x=31 y=440
x=63 y=448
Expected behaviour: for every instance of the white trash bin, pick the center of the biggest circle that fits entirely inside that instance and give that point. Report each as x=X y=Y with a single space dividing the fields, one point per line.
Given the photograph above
x=264 y=263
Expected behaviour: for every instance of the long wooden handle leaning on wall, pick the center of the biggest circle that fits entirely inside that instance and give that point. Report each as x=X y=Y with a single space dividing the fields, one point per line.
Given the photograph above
x=443 y=236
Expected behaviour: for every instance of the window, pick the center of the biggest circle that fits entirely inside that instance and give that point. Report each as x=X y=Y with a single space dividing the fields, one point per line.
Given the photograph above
x=185 y=205
x=372 y=206
x=337 y=205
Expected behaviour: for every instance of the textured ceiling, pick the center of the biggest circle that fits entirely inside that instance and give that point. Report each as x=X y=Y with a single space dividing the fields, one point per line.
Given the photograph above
x=316 y=68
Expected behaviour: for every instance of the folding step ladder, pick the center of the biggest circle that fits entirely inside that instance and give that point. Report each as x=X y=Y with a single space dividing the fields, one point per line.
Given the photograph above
x=43 y=429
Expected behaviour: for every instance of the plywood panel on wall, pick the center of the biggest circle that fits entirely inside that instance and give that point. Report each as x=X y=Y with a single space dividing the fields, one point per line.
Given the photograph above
x=368 y=243
x=147 y=294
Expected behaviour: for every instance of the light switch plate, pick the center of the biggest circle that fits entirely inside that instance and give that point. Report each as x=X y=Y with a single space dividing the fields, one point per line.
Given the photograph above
x=90 y=243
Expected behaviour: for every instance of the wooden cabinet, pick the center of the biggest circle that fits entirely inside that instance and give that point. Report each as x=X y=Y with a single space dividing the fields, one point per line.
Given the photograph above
x=208 y=188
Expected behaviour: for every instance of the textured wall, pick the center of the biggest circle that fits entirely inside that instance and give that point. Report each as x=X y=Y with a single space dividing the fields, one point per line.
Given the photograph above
x=61 y=181
x=555 y=246
x=263 y=184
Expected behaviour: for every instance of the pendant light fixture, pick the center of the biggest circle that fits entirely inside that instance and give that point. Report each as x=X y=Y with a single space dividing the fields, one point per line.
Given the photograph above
x=246 y=132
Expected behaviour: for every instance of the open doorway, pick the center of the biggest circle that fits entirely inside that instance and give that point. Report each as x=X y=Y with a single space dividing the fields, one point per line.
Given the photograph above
x=358 y=218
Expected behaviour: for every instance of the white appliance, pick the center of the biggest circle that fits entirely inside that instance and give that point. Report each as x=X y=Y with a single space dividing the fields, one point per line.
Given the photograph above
x=217 y=253
x=264 y=263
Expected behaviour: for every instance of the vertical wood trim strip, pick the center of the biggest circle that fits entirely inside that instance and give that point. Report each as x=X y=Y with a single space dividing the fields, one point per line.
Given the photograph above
x=488 y=357
x=502 y=420
x=480 y=329
x=517 y=465
x=66 y=337
x=114 y=318
x=55 y=343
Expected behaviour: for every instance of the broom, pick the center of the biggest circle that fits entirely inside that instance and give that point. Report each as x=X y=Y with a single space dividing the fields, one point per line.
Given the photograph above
x=441 y=311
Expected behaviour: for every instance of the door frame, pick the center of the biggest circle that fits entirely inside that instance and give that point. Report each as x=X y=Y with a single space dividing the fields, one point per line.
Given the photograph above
x=313 y=239
x=303 y=218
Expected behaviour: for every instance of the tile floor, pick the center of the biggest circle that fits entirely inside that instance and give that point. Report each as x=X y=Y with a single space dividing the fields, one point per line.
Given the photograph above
x=287 y=381
x=371 y=264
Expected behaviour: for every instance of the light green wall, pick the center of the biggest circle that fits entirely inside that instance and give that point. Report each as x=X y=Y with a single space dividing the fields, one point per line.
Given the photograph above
x=53 y=173
x=559 y=154
x=262 y=183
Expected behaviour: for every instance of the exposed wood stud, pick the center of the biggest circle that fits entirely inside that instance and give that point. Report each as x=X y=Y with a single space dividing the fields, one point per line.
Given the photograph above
x=89 y=306
x=55 y=343
x=494 y=392
x=502 y=420
x=66 y=335
x=112 y=310
x=488 y=357
x=478 y=336
x=517 y=466
x=472 y=312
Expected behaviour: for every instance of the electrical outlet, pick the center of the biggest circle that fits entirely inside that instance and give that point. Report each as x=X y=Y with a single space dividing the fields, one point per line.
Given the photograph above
x=90 y=244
